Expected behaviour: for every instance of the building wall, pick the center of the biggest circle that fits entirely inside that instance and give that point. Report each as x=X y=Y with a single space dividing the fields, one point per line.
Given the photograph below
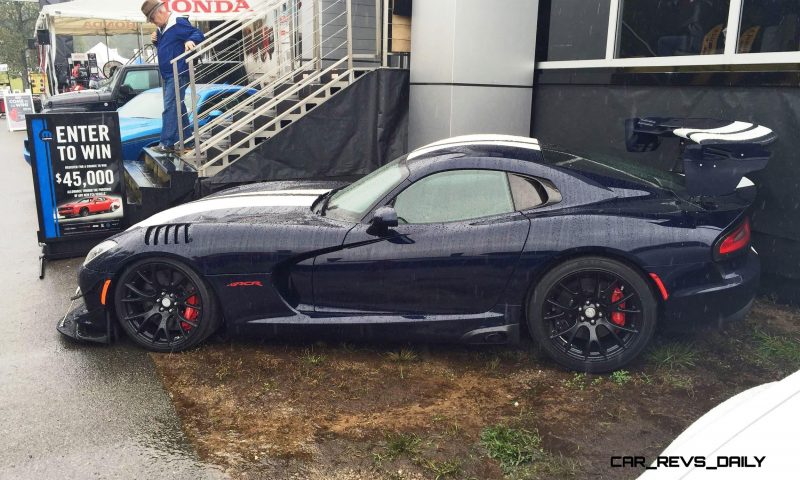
x=334 y=23
x=472 y=66
x=588 y=116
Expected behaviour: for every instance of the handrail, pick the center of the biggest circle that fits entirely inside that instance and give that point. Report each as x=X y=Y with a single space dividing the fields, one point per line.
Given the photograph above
x=232 y=24
x=247 y=100
x=277 y=81
x=271 y=104
x=277 y=118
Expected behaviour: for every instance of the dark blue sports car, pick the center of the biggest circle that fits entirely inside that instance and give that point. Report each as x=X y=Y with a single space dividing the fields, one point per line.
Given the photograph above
x=476 y=239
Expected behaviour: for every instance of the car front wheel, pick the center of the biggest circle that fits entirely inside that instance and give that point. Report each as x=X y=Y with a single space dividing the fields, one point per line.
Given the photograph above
x=164 y=306
x=592 y=314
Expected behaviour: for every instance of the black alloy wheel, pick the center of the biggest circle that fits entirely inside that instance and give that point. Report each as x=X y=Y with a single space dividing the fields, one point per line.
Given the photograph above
x=164 y=306
x=84 y=212
x=592 y=314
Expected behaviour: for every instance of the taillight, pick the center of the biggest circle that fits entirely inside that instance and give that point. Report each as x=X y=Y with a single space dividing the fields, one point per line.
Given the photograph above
x=736 y=240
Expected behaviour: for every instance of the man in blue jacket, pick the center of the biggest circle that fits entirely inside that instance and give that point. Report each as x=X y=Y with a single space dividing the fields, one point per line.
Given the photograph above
x=174 y=36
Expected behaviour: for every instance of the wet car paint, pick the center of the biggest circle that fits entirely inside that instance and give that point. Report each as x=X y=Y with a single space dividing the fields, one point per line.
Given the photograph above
x=461 y=280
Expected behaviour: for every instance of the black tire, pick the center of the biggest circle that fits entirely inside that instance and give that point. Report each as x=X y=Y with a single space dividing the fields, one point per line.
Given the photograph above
x=84 y=212
x=592 y=314
x=164 y=306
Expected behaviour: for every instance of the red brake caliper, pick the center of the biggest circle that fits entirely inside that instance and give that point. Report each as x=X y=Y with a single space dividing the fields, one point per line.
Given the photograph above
x=189 y=313
x=618 y=318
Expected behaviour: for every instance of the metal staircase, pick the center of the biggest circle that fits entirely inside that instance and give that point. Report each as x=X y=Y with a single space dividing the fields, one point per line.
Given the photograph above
x=283 y=76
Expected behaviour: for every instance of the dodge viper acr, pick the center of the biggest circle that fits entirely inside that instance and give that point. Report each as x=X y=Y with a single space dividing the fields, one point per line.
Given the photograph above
x=476 y=239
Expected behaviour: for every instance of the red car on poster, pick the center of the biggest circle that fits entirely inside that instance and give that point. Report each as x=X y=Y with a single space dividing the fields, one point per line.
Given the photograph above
x=88 y=205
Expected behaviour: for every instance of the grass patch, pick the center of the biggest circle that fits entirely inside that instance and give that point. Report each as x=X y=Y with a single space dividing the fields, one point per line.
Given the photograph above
x=402 y=357
x=511 y=447
x=312 y=359
x=777 y=350
x=578 y=381
x=621 y=377
x=673 y=356
x=679 y=381
x=446 y=469
x=400 y=444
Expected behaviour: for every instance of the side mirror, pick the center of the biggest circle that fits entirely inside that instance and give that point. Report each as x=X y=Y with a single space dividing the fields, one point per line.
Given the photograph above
x=126 y=90
x=383 y=218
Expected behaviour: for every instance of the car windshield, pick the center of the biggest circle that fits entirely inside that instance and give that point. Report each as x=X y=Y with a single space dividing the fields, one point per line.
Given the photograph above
x=149 y=104
x=352 y=202
x=107 y=84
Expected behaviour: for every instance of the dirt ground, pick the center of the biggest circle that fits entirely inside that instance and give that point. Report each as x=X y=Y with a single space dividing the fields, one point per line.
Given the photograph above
x=342 y=410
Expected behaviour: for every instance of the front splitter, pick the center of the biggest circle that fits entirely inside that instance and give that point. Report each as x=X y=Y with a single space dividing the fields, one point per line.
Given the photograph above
x=79 y=323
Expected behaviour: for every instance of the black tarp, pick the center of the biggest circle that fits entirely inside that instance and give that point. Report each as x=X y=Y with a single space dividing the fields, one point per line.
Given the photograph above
x=353 y=133
x=591 y=118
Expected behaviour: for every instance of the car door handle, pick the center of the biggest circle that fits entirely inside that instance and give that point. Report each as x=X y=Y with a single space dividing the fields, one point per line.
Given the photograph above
x=334 y=259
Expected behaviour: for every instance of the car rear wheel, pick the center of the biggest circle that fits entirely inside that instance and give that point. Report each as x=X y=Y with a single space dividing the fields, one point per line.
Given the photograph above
x=164 y=306
x=592 y=314
x=84 y=212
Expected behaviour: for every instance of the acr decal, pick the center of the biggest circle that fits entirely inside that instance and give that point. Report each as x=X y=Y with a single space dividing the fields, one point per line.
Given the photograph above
x=253 y=283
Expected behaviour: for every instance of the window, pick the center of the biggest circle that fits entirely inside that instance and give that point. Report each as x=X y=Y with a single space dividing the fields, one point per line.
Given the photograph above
x=352 y=202
x=672 y=27
x=572 y=30
x=527 y=192
x=140 y=80
x=455 y=195
x=769 y=26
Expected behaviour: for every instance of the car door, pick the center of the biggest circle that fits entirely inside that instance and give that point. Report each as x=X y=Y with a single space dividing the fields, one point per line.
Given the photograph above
x=136 y=82
x=96 y=205
x=453 y=252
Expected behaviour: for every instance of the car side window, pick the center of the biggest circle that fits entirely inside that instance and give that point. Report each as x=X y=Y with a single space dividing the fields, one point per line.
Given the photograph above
x=141 y=80
x=454 y=196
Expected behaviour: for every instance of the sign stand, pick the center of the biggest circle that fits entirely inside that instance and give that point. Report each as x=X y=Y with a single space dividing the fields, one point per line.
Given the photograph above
x=76 y=161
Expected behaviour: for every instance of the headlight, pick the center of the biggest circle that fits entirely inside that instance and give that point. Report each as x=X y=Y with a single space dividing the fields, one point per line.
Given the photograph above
x=98 y=250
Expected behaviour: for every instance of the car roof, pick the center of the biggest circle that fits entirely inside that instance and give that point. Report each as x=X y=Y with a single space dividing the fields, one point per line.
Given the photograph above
x=205 y=87
x=480 y=144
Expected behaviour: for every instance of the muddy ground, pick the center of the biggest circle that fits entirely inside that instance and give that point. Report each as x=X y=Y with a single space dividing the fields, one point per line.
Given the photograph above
x=326 y=410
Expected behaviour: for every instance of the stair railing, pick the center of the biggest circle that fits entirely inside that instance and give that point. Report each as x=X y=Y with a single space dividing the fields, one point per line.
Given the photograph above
x=271 y=77
x=229 y=45
x=271 y=105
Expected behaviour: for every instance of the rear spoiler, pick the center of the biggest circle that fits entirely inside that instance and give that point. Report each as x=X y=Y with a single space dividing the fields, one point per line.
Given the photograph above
x=714 y=154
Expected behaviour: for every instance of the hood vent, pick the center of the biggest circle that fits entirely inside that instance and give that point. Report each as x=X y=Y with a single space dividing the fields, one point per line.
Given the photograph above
x=173 y=234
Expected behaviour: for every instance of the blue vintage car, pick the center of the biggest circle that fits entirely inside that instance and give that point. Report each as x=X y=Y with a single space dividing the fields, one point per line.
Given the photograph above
x=140 y=118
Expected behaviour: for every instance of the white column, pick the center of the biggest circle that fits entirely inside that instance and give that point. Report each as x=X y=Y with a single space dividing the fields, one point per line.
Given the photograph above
x=472 y=66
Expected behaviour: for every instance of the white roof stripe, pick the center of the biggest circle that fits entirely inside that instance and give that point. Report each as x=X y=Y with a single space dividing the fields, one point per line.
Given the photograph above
x=502 y=143
x=482 y=138
x=753 y=134
x=730 y=128
x=315 y=192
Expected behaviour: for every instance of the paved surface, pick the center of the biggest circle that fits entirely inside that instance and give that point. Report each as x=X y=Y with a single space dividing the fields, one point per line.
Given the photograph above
x=70 y=410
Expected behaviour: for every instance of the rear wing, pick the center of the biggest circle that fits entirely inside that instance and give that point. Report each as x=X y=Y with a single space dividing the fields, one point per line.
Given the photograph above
x=714 y=154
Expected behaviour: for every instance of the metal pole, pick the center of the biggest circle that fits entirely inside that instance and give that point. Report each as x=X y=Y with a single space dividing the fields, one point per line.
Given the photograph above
x=177 y=81
x=378 y=33
x=350 y=38
x=317 y=47
x=195 y=119
x=385 y=60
